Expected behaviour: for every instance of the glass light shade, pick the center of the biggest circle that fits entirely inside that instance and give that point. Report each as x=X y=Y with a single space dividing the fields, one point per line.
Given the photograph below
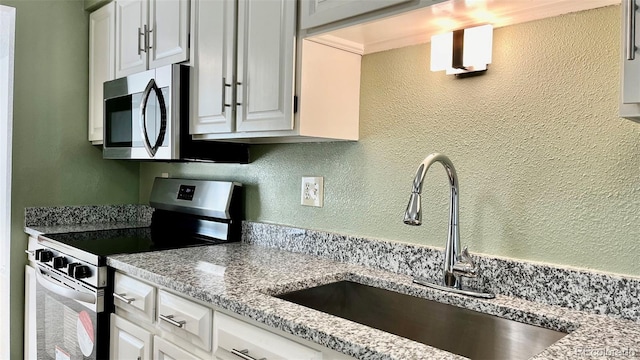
x=478 y=44
x=441 y=51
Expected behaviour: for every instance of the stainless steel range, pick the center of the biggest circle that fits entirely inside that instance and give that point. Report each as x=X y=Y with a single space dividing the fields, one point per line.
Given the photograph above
x=74 y=286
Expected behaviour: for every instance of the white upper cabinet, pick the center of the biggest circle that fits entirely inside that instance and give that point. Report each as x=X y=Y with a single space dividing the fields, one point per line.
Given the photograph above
x=102 y=24
x=249 y=83
x=243 y=71
x=265 y=63
x=213 y=63
x=630 y=84
x=414 y=22
x=150 y=34
x=131 y=19
x=320 y=12
x=169 y=26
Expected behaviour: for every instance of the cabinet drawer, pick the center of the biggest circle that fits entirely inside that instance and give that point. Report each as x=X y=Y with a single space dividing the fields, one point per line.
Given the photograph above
x=164 y=350
x=134 y=296
x=185 y=319
x=233 y=335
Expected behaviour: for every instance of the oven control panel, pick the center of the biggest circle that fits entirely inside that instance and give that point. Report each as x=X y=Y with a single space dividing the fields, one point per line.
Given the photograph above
x=186 y=192
x=66 y=265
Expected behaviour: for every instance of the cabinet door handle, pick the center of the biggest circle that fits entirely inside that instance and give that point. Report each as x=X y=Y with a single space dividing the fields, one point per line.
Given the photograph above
x=244 y=354
x=122 y=298
x=224 y=93
x=147 y=36
x=238 y=90
x=630 y=35
x=169 y=319
x=140 y=33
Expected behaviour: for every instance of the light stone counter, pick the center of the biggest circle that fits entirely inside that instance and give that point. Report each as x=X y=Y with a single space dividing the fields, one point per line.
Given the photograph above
x=64 y=219
x=600 y=311
x=242 y=277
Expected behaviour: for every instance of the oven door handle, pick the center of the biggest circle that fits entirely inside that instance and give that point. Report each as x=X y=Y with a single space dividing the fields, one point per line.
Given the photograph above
x=152 y=149
x=64 y=291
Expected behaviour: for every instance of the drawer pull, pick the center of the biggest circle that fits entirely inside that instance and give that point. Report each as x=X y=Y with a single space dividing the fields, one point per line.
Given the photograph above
x=122 y=298
x=244 y=354
x=169 y=319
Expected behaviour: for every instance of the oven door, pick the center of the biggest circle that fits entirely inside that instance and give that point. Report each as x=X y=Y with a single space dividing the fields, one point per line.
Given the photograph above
x=70 y=319
x=137 y=117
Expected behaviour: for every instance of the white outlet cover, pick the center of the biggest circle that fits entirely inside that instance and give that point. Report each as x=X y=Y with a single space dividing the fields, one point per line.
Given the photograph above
x=312 y=191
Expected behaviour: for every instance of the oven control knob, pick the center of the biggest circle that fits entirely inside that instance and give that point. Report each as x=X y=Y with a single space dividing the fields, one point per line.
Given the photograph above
x=81 y=272
x=70 y=268
x=59 y=262
x=46 y=256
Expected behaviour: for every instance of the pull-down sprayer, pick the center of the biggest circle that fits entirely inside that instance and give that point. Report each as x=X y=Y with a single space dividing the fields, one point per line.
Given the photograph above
x=457 y=263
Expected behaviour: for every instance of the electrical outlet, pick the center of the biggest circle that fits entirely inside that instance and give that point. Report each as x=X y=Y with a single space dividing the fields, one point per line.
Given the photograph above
x=312 y=193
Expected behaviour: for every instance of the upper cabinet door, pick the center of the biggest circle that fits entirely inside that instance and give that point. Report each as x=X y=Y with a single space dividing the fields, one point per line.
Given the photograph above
x=320 y=12
x=630 y=88
x=266 y=61
x=102 y=32
x=169 y=32
x=213 y=63
x=131 y=19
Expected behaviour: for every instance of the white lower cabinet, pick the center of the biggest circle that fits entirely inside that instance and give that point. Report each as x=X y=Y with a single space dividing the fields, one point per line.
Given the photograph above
x=129 y=341
x=163 y=349
x=234 y=339
x=135 y=297
x=184 y=328
x=185 y=319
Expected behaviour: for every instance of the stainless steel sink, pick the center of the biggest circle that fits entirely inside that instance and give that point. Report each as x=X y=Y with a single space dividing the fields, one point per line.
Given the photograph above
x=461 y=331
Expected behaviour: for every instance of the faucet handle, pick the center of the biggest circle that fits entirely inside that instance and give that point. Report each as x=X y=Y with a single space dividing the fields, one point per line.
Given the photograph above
x=465 y=266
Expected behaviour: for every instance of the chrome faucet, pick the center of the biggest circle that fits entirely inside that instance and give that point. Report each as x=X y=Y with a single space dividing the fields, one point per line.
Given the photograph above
x=457 y=263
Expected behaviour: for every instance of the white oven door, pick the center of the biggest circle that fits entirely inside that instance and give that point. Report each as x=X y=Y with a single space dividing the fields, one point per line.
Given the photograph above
x=70 y=323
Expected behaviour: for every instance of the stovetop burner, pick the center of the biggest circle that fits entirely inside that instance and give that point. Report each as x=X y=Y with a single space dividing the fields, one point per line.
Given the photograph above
x=187 y=213
x=129 y=241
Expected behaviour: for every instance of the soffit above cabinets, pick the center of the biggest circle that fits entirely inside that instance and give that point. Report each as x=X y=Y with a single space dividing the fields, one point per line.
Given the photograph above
x=417 y=26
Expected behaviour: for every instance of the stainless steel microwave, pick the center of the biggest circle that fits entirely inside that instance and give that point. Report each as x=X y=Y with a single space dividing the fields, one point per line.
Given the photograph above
x=146 y=117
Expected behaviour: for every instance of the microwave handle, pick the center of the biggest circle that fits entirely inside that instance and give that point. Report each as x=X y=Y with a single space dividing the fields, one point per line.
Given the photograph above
x=152 y=149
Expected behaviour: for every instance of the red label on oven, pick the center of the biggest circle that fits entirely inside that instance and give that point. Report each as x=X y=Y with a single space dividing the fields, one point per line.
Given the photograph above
x=86 y=336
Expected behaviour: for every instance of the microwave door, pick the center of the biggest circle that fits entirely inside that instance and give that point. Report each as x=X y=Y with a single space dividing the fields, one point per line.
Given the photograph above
x=149 y=117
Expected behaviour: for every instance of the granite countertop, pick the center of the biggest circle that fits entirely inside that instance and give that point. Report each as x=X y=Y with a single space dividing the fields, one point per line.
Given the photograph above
x=66 y=219
x=59 y=229
x=242 y=277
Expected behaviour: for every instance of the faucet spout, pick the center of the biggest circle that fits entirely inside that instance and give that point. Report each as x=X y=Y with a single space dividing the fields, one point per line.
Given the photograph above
x=457 y=263
x=413 y=214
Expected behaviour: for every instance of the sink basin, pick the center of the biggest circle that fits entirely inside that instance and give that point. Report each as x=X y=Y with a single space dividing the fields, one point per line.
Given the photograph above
x=460 y=331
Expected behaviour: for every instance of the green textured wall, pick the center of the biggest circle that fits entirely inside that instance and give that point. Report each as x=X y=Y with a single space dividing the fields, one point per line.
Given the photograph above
x=53 y=163
x=548 y=171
